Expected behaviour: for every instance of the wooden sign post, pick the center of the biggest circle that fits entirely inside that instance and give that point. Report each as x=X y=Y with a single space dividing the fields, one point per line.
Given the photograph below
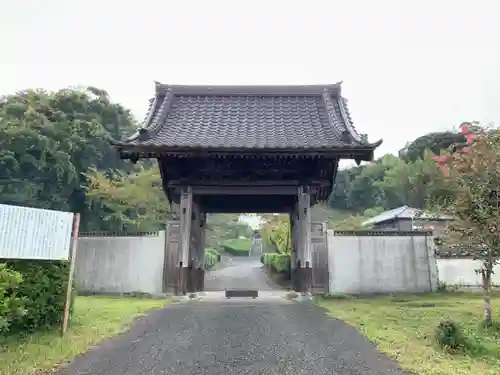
x=71 y=259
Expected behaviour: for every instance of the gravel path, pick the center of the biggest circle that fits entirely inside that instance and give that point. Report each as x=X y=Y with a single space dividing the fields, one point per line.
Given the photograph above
x=240 y=337
x=239 y=273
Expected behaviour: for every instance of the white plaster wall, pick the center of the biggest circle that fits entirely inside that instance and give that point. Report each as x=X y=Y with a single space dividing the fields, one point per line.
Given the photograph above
x=380 y=264
x=120 y=264
x=461 y=272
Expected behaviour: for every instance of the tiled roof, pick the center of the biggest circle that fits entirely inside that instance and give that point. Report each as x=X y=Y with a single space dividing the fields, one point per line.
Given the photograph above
x=248 y=117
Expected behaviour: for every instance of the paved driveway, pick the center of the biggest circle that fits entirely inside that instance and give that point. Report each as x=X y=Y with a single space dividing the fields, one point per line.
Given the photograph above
x=263 y=336
x=239 y=273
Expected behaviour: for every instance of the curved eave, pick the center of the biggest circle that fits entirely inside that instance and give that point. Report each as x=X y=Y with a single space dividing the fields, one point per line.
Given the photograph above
x=140 y=147
x=353 y=133
x=376 y=144
x=126 y=145
x=356 y=152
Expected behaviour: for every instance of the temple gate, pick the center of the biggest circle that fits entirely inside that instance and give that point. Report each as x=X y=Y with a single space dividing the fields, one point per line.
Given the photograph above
x=229 y=149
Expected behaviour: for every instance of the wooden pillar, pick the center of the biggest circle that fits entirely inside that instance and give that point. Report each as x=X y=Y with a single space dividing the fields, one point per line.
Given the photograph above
x=305 y=244
x=186 y=210
x=195 y=255
x=293 y=240
x=202 y=244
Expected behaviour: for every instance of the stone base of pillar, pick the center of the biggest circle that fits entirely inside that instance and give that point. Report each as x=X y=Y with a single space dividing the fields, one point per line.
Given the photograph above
x=307 y=280
x=302 y=280
x=193 y=280
x=182 y=281
x=196 y=280
x=294 y=278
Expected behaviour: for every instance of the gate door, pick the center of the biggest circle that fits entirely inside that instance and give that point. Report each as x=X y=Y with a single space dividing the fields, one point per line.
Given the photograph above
x=319 y=258
x=171 y=260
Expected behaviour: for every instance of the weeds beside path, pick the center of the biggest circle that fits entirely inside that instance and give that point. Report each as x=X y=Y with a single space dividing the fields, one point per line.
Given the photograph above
x=95 y=319
x=403 y=328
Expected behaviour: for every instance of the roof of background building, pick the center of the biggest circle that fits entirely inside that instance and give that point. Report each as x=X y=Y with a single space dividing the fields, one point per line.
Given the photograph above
x=403 y=212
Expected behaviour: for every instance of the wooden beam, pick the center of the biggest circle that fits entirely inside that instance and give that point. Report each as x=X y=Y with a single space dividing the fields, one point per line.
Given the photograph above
x=237 y=183
x=364 y=153
x=240 y=190
x=304 y=211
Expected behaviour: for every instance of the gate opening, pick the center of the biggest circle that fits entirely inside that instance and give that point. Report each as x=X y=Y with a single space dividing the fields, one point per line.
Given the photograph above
x=235 y=257
x=231 y=149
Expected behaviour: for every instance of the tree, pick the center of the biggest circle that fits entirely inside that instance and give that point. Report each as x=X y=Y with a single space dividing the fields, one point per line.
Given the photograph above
x=353 y=222
x=223 y=227
x=343 y=181
x=49 y=140
x=473 y=201
x=121 y=202
x=275 y=233
x=434 y=142
x=413 y=184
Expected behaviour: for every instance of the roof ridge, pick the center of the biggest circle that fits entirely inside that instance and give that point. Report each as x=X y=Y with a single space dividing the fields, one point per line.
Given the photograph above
x=330 y=109
x=279 y=90
x=346 y=116
x=401 y=210
x=157 y=117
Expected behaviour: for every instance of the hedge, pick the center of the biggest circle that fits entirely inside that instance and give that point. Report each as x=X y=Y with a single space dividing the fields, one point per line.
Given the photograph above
x=40 y=294
x=277 y=262
x=11 y=306
x=237 y=246
x=212 y=257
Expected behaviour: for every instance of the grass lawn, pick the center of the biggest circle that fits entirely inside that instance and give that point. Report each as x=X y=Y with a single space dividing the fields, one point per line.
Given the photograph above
x=237 y=246
x=95 y=319
x=403 y=328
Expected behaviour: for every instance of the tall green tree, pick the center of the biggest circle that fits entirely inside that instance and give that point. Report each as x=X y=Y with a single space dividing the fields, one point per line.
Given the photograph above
x=49 y=140
x=434 y=142
x=414 y=183
x=276 y=233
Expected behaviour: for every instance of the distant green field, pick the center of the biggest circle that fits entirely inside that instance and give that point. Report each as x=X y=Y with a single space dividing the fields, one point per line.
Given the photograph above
x=322 y=213
x=237 y=246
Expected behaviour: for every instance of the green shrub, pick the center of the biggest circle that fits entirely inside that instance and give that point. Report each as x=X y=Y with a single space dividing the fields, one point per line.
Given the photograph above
x=214 y=252
x=212 y=257
x=277 y=262
x=268 y=259
x=282 y=263
x=43 y=290
x=210 y=260
x=449 y=335
x=11 y=306
x=237 y=246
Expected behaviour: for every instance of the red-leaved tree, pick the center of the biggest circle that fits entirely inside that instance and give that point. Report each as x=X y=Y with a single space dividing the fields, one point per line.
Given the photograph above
x=472 y=175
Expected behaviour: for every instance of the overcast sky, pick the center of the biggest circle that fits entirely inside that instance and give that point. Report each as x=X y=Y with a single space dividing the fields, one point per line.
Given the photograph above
x=408 y=67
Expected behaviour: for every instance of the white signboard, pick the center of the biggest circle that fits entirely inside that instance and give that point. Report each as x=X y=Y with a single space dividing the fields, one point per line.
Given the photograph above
x=32 y=233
